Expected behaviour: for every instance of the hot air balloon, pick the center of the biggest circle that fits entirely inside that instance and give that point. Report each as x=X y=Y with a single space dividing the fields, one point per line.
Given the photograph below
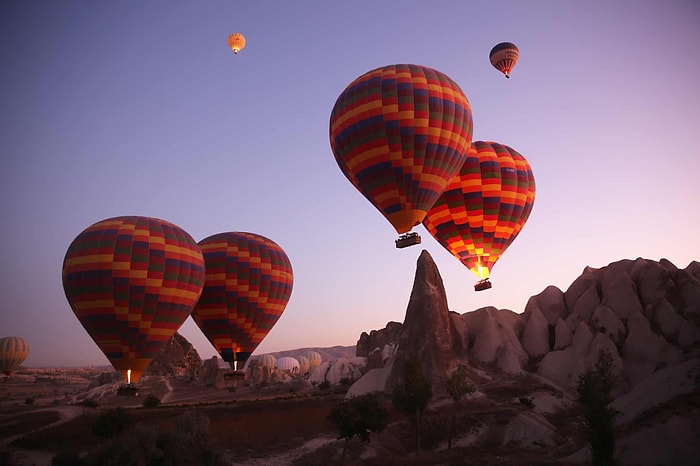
x=237 y=42
x=399 y=133
x=484 y=207
x=314 y=358
x=132 y=281
x=504 y=56
x=248 y=284
x=13 y=352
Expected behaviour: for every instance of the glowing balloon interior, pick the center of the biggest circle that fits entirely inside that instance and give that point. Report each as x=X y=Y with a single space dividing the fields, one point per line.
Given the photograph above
x=399 y=133
x=132 y=282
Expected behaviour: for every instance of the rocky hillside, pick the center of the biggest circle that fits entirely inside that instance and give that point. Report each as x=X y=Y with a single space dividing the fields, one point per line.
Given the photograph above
x=645 y=313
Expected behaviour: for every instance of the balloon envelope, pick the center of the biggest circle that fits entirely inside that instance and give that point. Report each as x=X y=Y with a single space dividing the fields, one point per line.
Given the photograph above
x=13 y=352
x=484 y=207
x=236 y=42
x=504 y=56
x=248 y=284
x=399 y=133
x=132 y=281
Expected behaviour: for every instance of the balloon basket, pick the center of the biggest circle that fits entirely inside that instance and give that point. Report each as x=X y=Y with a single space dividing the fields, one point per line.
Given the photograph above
x=128 y=390
x=407 y=239
x=235 y=375
x=482 y=285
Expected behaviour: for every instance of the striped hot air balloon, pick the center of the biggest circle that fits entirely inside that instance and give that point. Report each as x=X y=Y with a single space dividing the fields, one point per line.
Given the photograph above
x=248 y=284
x=484 y=207
x=399 y=133
x=132 y=282
x=13 y=352
x=504 y=56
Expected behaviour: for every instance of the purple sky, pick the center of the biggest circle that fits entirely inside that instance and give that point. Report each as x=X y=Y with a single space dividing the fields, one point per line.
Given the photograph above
x=139 y=108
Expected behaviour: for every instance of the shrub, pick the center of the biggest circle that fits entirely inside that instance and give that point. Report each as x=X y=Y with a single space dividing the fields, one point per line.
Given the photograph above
x=358 y=416
x=111 y=423
x=325 y=385
x=89 y=402
x=67 y=458
x=527 y=402
x=151 y=401
x=30 y=400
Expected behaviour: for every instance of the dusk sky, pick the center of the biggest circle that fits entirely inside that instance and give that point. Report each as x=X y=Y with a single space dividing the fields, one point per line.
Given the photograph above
x=140 y=108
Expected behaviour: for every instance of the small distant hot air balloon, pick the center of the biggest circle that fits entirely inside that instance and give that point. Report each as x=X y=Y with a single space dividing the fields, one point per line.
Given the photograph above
x=504 y=56
x=484 y=207
x=399 y=133
x=132 y=282
x=13 y=352
x=314 y=358
x=248 y=284
x=237 y=42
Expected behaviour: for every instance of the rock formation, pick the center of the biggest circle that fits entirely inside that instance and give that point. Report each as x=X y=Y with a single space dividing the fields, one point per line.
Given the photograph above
x=428 y=332
x=646 y=314
x=178 y=358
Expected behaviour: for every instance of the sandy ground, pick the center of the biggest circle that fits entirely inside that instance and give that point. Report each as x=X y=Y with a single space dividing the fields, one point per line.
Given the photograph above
x=286 y=458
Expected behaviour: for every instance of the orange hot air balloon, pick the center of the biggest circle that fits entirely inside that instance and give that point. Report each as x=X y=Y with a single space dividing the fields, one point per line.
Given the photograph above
x=504 y=56
x=13 y=352
x=237 y=42
x=484 y=207
x=399 y=133
x=248 y=284
x=132 y=282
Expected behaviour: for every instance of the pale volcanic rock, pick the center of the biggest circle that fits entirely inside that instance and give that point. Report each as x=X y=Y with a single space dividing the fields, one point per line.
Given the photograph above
x=584 y=306
x=535 y=336
x=550 y=303
x=493 y=338
x=563 y=336
x=620 y=294
x=606 y=321
x=588 y=279
x=427 y=332
x=338 y=369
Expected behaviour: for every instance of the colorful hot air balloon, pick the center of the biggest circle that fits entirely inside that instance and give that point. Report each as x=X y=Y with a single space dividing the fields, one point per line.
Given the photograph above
x=13 y=352
x=132 y=282
x=484 y=207
x=248 y=284
x=237 y=42
x=399 y=133
x=504 y=56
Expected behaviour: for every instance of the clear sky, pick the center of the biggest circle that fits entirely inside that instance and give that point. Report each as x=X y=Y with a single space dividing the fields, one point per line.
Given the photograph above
x=140 y=108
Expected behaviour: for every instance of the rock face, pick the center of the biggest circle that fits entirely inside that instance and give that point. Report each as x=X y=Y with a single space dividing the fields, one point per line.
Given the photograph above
x=379 y=345
x=646 y=314
x=428 y=332
x=178 y=358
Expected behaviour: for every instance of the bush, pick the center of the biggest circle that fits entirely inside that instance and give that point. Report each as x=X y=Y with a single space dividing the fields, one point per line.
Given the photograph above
x=188 y=444
x=325 y=385
x=151 y=401
x=111 y=423
x=67 y=458
x=89 y=402
x=30 y=400
x=527 y=402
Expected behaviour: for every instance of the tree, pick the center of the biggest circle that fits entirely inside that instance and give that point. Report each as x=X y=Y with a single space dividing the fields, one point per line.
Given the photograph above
x=594 y=387
x=412 y=398
x=457 y=386
x=358 y=416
